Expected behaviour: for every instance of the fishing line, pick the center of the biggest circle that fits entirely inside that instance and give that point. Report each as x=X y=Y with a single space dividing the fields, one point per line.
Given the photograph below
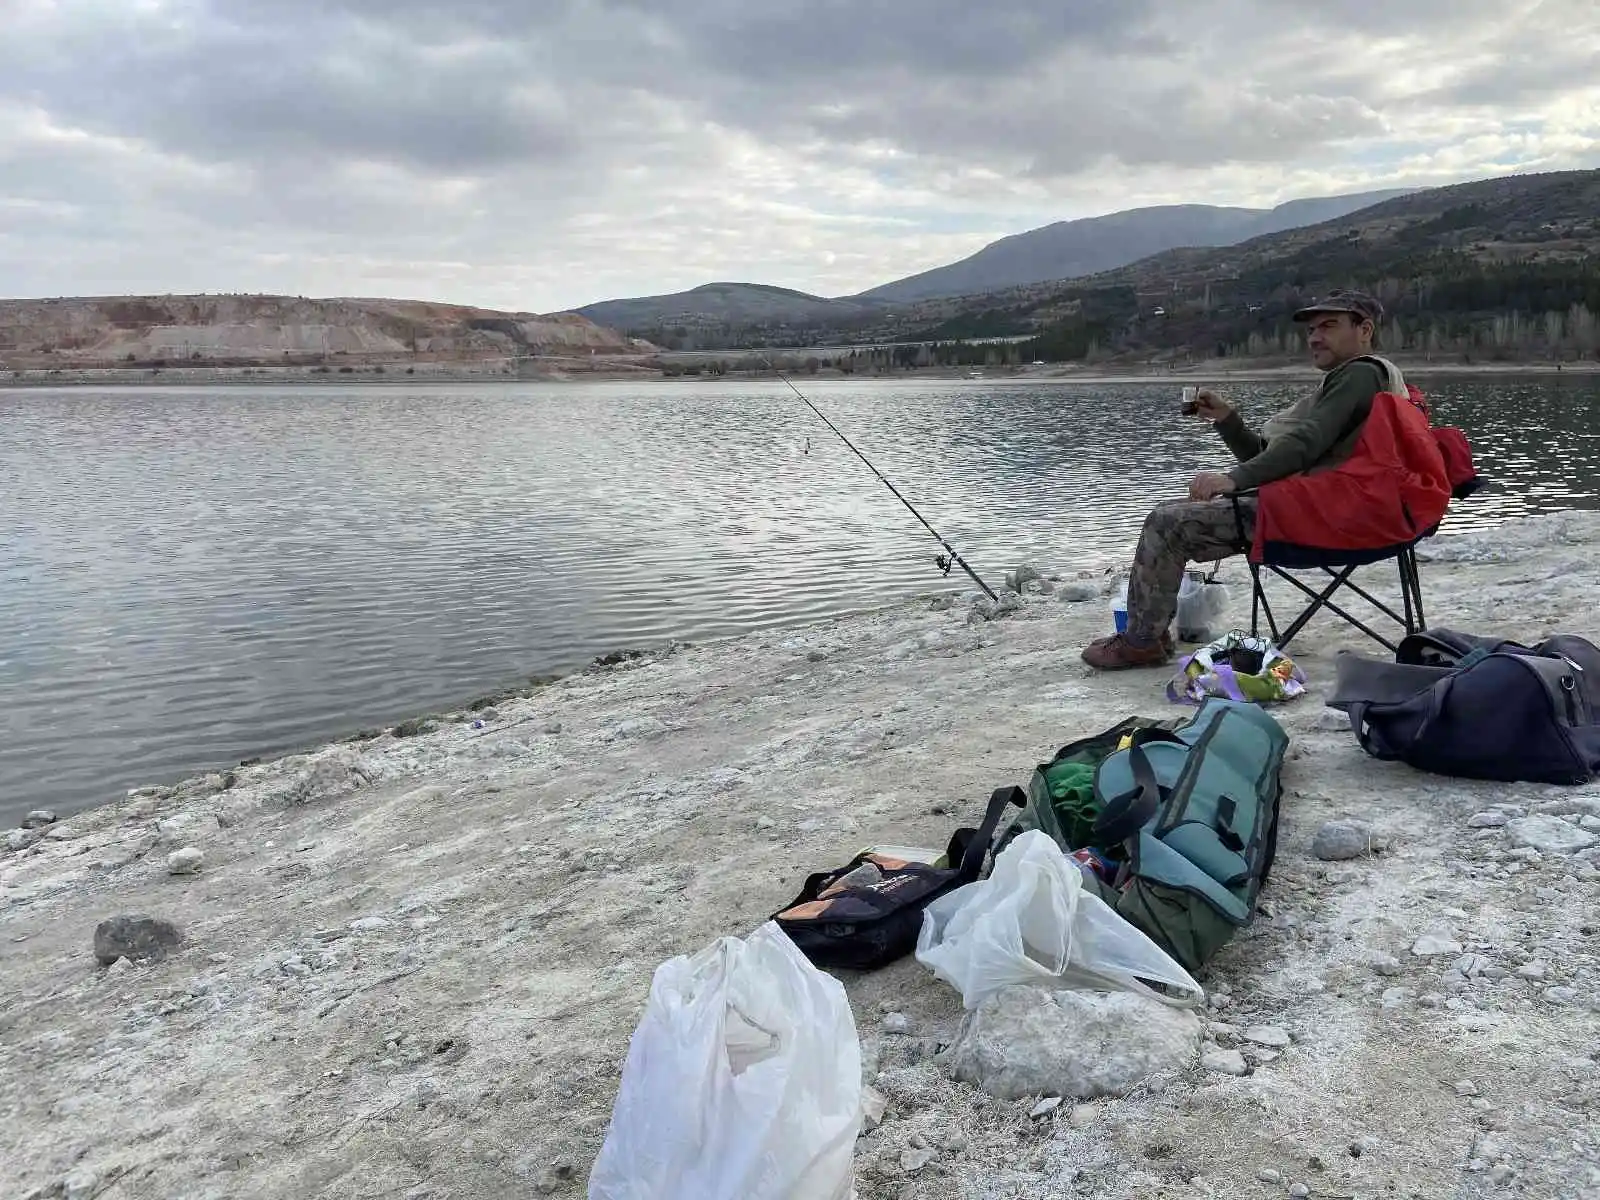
x=943 y=561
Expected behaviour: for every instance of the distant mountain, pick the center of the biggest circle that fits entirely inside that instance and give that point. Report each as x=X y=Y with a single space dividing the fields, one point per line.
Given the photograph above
x=1068 y=249
x=1502 y=268
x=750 y=314
x=240 y=329
x=716 y=306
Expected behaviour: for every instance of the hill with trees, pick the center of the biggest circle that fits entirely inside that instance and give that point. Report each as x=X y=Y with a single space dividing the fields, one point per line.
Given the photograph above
x=1502 y=268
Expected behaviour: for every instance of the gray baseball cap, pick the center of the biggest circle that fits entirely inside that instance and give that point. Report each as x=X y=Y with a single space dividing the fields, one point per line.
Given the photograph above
x=1340 y=301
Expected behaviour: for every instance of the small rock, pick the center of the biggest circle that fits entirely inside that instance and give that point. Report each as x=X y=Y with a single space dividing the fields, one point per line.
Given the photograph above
x=765 y=822
x=1465 y=1087
x=873 y=1105
x=1487 y=820
x=185 y=862
x=1225 y=1062
x=1077 y=593
x=1270 y=1175
x=1397 y=997
x=80 y=1185
x=1385 y=964
x=1471 y=965
x=369 y=924
x=39 y=818
x=134 y=937
x=913 y=1159
x=897 y=1023
x=554 y=1176
x=1331 y=720
x=21 y=839
x=1045 y=1107
x=1299 y=1190
x=1336 y=841
x=1267 y=1035
x=1550 y=835
x=1083 y=1115
x=1501 y=1173
x=1533 y=970
x=552 y=728
x=1433 y=943
x=956 y=1143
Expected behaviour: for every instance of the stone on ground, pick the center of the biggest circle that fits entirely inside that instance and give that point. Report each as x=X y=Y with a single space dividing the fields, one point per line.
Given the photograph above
x=1550 y=835
x=1340 y=840
x=134 y=937
x=1028 y=1041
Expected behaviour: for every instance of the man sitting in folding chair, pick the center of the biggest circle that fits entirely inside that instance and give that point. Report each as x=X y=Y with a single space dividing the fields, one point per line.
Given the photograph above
x=1300 y=480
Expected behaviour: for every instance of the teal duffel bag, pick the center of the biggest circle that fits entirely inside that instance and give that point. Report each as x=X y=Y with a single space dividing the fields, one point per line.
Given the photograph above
x=1194 y=813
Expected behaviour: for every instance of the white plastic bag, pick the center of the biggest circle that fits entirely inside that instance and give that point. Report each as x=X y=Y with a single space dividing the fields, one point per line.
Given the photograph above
x=1032 y=922
x=743 y=1082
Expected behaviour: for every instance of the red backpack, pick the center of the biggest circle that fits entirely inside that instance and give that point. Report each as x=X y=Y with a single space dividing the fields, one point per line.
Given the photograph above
x=1452 y=443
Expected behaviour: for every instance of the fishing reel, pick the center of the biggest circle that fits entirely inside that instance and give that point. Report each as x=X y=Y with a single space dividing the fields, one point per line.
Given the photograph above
x=944 y=562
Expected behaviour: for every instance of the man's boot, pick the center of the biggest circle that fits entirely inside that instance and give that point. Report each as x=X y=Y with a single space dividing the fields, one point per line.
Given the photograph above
x=1119 y=653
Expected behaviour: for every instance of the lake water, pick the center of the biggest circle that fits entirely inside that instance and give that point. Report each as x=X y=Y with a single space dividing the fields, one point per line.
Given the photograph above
x=192 y=577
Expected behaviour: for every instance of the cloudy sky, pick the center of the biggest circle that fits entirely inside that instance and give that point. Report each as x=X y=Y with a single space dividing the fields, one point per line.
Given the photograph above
x=541 y=154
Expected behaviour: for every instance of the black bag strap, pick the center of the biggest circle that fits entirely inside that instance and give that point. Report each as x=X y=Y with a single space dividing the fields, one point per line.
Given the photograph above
x=1227 y=809
x=971 y=865
x=1125 y=815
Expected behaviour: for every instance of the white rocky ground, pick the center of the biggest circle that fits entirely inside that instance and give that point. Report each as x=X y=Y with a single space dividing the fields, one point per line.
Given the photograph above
x=411 y=966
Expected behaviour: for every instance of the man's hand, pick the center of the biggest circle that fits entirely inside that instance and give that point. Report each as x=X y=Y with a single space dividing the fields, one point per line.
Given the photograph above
x=1208 y=485
x=1211 y=407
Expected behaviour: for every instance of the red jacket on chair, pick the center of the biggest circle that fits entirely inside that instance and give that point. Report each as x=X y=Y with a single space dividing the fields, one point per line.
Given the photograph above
x=1393 y=488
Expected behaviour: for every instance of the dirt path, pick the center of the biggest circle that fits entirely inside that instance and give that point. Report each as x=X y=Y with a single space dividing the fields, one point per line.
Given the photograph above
x=411 y=966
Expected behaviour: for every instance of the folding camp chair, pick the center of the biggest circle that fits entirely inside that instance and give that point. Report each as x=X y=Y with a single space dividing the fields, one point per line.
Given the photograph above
x=1339 y=565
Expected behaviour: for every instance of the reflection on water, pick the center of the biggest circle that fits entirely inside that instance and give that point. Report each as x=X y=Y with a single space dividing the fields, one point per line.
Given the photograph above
x=190 y=578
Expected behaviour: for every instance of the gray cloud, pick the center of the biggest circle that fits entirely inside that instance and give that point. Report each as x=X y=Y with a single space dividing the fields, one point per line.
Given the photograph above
x=536 y=155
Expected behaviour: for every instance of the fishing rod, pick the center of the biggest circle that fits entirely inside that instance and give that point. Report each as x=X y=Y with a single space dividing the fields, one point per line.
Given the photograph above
x=943 y=561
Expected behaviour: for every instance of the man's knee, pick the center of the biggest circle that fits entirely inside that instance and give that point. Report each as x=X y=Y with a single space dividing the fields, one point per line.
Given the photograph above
x=1165 y=519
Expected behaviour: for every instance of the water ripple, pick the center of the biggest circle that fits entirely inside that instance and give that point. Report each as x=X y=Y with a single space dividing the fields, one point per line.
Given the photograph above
x=188 y=578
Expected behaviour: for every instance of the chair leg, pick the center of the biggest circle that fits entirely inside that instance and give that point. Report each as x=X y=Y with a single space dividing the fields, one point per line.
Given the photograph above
x=1410 y=621
x=1259 y=605
x=1319 y=600
x=1416 y=588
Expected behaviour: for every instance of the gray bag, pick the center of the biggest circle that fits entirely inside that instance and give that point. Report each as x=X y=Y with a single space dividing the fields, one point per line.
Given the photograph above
x=1478 y=708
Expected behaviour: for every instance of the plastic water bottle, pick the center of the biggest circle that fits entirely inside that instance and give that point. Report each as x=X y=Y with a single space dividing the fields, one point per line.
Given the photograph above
x=1119 y=609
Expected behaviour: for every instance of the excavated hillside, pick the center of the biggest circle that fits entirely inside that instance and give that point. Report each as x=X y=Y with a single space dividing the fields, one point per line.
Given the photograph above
x=243 y=329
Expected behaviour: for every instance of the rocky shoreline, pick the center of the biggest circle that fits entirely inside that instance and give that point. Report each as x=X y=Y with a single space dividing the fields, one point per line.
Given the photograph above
x=410 y=965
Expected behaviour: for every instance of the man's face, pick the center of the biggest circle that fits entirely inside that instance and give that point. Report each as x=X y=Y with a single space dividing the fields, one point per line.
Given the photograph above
x=1337 y=337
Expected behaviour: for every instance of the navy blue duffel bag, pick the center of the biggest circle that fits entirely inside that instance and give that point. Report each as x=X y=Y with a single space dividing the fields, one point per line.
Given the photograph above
x=1479 y=708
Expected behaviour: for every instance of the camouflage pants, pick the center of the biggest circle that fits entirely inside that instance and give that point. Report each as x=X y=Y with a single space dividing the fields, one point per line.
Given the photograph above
x=1176 y=534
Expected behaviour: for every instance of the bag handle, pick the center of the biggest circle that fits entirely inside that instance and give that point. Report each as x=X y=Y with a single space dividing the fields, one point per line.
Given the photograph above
x=972 y=861
x=1125 y=815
